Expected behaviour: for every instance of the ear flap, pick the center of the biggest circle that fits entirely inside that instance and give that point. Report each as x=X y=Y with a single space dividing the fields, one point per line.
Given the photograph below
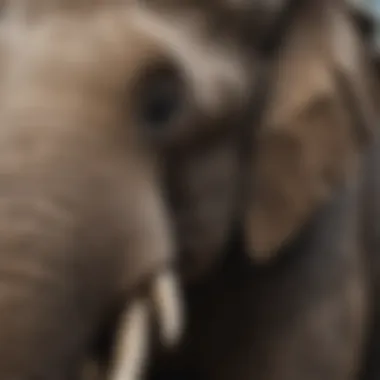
x=307 y=143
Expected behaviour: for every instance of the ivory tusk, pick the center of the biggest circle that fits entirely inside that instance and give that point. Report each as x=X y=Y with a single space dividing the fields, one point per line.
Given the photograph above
x=132 y=343
x=168 y=307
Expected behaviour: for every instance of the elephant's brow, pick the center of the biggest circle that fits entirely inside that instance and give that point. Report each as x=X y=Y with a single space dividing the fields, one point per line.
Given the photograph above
x=69 y=31
x=33 y=9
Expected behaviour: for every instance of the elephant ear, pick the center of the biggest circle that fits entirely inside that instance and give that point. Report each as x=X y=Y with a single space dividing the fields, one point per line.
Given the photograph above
x=319 y=116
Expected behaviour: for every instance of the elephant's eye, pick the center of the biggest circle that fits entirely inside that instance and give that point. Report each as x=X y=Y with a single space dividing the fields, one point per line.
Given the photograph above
x=160 y=98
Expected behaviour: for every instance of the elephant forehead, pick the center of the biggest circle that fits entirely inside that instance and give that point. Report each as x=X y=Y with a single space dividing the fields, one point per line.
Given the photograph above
x=99 y=54
x=101 y=49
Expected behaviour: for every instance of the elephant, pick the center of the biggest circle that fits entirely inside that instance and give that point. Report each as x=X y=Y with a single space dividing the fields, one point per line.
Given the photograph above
x=93 y=97
x=82 y=111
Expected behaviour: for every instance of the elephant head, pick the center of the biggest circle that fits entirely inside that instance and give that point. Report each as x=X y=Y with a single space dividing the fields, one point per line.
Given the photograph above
x=93 y=96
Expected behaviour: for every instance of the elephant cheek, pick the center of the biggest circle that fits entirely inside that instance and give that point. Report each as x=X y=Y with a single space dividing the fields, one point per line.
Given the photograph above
x=204 y=197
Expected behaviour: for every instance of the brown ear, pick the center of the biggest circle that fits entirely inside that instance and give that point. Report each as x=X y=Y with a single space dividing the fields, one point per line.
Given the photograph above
x=308 y=141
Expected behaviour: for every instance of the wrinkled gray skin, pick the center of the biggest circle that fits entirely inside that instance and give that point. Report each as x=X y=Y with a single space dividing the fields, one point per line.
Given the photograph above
x=83 y=222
